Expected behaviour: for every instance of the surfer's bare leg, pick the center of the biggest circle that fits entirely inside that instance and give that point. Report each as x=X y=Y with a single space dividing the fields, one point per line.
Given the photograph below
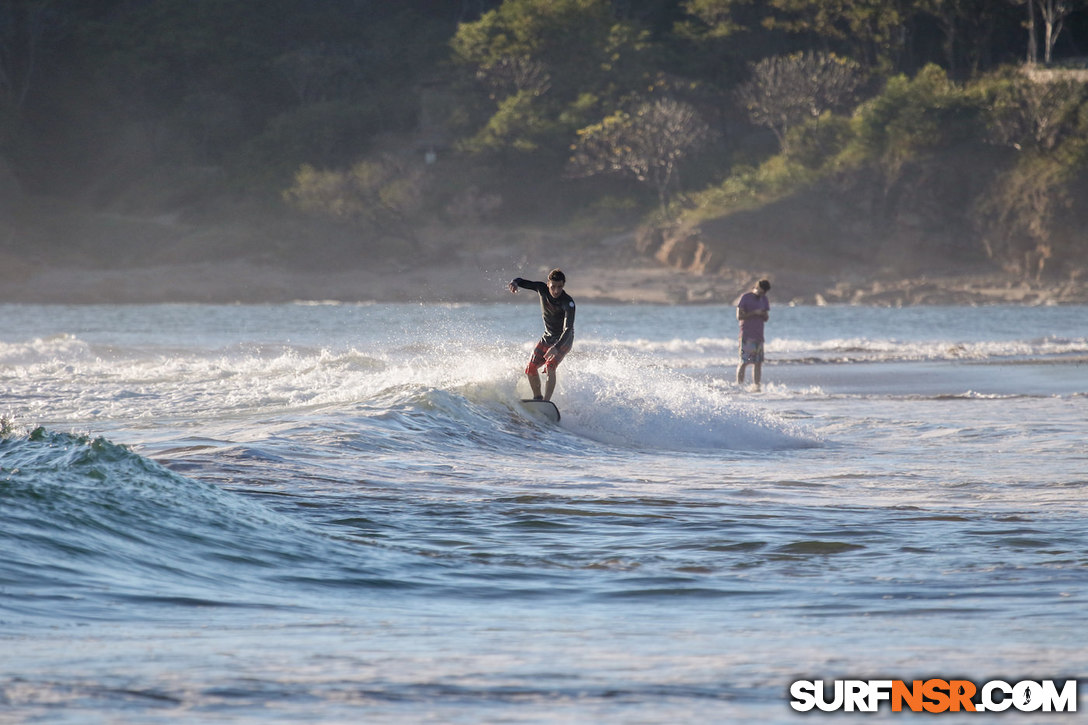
x=740 y=373
x=757 y=374
x=549 y=387
x=534 y=383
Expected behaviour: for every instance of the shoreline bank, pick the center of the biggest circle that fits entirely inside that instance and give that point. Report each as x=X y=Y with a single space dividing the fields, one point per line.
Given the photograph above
x=245 y=282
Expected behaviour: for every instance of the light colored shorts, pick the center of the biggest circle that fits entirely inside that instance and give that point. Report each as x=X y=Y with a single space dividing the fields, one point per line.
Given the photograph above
x=751 y=351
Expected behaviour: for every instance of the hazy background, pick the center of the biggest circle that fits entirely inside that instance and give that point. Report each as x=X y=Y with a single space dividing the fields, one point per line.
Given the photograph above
x=360 y=149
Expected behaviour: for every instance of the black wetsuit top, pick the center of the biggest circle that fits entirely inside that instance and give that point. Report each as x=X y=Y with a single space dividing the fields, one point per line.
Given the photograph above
x=558 y=313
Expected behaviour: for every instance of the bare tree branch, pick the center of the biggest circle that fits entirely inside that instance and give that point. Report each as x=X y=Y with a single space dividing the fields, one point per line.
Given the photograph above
x=784 y=91
x=647 y=144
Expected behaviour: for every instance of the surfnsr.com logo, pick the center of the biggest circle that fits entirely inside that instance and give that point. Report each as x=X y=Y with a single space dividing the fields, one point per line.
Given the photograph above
x=934 y=695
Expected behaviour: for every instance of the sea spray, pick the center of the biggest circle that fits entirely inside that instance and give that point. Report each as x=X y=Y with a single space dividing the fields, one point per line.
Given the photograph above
x=625 y=399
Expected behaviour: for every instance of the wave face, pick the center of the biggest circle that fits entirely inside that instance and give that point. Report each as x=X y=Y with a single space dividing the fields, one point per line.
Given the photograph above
x=90 y=525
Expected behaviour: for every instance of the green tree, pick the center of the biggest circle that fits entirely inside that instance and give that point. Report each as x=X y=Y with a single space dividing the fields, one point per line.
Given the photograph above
x=866 y=29
x=721 y=17
x=1027 y=220
x=869 y=30
x=379 y=194
x=1028 y=114
x=915 y=115
x=549 y=67
x=1017 y=217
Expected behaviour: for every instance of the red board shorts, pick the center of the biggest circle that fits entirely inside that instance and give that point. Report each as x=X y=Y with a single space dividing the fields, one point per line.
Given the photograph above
x=751 y=350
x=547 y=355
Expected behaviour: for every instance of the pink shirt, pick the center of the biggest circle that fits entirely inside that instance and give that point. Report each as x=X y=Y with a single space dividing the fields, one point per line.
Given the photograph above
x=752 y=328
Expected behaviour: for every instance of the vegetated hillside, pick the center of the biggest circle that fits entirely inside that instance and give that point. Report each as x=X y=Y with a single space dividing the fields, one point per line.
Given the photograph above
x=352 y=135
x=855 y=237
x=849 y=224
x=850 y=237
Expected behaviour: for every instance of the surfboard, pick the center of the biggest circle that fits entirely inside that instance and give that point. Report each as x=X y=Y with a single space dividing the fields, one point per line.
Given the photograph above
x=544 y=408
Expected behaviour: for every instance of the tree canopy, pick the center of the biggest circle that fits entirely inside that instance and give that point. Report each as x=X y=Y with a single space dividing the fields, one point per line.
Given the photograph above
x=519 y=100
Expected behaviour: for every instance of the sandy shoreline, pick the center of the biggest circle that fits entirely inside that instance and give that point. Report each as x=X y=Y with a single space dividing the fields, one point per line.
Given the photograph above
x=135 y=260
x=647 y=282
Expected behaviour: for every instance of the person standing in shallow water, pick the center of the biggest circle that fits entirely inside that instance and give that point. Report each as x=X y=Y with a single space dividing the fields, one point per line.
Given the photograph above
x=753 y=309
x=557 y=308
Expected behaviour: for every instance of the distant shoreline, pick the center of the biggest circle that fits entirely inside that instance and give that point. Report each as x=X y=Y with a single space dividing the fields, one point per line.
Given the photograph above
x=58 y=255
x=244 y=282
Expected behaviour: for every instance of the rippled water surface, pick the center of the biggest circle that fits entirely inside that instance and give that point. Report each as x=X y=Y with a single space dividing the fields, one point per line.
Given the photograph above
x=341 y=513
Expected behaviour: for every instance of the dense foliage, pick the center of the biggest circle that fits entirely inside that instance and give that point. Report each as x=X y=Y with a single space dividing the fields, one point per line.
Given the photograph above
x=381 y=113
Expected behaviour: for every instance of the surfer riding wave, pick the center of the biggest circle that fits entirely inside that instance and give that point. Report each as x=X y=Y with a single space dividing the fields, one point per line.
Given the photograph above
x=557 y=308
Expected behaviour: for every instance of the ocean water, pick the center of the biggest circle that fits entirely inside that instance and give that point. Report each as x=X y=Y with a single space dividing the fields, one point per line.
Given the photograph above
x=340 y=513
